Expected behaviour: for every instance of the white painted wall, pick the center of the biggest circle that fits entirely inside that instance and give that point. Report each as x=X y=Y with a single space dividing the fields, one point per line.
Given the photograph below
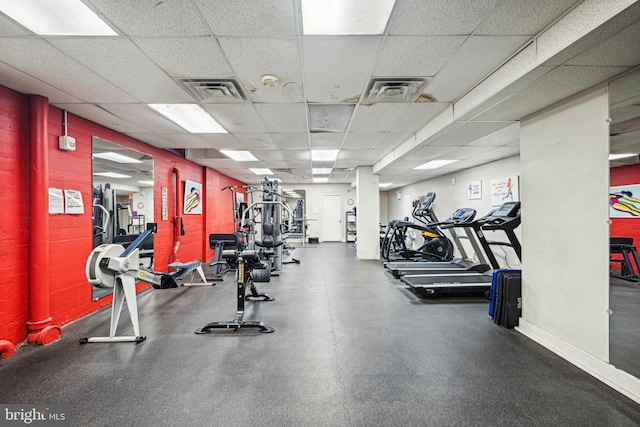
x=450 y=197
x=368 y=219
x=564 y=185
x=313 y=197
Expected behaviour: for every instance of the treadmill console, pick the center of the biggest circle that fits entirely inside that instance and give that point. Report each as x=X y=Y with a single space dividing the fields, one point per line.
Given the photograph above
x=462 y=215
x=505 y=216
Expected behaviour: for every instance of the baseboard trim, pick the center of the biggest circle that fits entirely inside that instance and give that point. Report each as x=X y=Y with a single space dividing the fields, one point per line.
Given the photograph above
x=610 y=375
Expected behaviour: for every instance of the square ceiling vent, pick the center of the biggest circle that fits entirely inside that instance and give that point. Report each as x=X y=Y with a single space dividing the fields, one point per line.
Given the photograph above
x=214 y=90
x=394 y=89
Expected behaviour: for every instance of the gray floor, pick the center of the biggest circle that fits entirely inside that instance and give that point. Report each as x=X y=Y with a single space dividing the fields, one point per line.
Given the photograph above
x=351 y=347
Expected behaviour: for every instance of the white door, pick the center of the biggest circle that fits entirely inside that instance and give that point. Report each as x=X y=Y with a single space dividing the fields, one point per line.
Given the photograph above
x=332 y=222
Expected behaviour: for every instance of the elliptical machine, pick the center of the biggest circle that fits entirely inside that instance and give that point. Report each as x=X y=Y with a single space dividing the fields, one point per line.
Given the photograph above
x=400 y=237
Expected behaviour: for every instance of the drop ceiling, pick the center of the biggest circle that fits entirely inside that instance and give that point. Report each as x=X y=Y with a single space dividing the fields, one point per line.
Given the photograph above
x=451 y=78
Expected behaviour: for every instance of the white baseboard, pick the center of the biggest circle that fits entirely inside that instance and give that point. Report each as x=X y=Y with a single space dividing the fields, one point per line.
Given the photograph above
x=605 y=372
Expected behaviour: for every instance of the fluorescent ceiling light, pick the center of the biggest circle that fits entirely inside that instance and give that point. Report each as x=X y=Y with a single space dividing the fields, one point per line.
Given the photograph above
x=115 y=157
x=112 y=175
x=322 y=171
x=324 y=155
x=190 y=117
x=345 y=17
x=385 y=184
x=320 y=180
x=239 y=156
x=147 y=182
x=620 y=156
x=435 y=164
x=261 y=171
x=56 y=18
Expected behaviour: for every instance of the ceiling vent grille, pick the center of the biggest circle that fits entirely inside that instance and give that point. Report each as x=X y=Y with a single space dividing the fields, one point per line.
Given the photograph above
x=214 y=90
x=282 y=170
x=394 y=89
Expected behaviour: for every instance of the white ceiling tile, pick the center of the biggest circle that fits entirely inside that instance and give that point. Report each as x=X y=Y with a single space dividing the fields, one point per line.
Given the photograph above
x=291 y=141
x=461 y=153
x=504 y=136
x=221 y=141
x=619 y=50
x=326 y=141
x=336 y=69
x=252 y=58
x=153 y=140
x=391 y=140
x=48 y=64
x=268 y=18
x=257 y=141
x=199 y=57
x=554 y=86
x=435 y=17
x=143 y=116
x=184 y=140
x=429 y=152
x=379 y=117
x=362 y=141
x=268 y=155
x=24 y=83
x=283 y=117
x=298 y=164
x=120 y=61
x=468 y=132
x=9 y=28
x=415 y=56
x=475 y=59
x=99 y=115
x=523 y=16
x=237 y=118
x=176 y=18
x=417 y=115
x=368 y=156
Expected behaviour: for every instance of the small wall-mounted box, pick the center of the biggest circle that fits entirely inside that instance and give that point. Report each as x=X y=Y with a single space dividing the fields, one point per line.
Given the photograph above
x=67 y=143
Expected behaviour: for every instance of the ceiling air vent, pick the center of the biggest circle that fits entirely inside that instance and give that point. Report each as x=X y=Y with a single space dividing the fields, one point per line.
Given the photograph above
x=282 y=170
x=394 y=89
x=214 y=90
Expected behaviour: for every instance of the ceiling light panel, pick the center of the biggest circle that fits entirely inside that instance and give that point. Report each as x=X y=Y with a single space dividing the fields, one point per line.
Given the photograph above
x=322 y=171
x=324 y=155
x=116 y=157
x=112 y=175
x=435 y=164
x=189 y=117
x=239 y=156
x=56 y=18
x=320 y=180
x=345 y=17
x=261 y=171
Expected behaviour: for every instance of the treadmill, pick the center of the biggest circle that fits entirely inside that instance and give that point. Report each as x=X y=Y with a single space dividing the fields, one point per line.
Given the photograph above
x=506 y=218
x=461 y=218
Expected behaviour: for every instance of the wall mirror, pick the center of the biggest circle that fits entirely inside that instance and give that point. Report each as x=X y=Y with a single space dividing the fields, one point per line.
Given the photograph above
x=296 y=199
x=122 y=197
x=624 y=289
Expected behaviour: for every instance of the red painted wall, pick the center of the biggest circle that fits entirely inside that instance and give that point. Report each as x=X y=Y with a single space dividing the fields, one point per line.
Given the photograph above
x=70 y=235
x=14 y=223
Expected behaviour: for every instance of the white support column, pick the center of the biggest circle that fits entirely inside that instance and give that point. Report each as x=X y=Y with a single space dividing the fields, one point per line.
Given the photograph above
x=368 y=213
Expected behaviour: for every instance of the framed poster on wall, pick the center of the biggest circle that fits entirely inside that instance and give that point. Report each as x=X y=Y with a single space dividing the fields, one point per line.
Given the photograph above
x=192 y=198
x=624 y=201
x=504 y=190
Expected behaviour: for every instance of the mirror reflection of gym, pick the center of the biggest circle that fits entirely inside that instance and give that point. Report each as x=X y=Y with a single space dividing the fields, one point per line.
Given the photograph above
x=122 y=197
x=624 y=288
